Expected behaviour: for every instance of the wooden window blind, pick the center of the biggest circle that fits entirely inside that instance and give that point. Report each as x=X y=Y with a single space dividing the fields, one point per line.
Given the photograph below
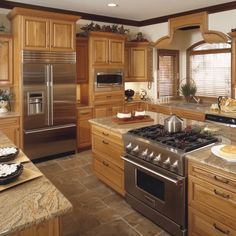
x=168 y=70
x=210 y=68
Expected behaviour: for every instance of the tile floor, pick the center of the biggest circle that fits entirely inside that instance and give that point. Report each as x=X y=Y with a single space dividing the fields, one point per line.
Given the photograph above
x=98 y=210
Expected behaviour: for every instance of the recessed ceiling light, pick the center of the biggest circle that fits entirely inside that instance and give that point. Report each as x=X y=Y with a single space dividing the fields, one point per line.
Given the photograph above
x=112 y=4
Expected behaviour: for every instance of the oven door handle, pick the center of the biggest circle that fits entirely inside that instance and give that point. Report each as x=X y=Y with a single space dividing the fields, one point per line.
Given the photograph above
x=153 y=172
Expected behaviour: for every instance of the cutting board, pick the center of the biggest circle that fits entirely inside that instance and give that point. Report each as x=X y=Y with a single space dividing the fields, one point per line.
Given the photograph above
x=26 y=175
x=132 y=120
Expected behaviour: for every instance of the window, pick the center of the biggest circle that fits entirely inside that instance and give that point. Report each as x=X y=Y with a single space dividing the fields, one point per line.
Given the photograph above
x=210 y=68
x=168 y=71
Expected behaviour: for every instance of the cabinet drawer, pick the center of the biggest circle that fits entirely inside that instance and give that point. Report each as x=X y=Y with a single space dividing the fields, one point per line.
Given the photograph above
x=111 y=150
x=85 y=114
x=211 y=175
x=101 y=98
x=109 y=173
x=202 y=192
x=9 y=122
x=202 y=225
x=108 y=134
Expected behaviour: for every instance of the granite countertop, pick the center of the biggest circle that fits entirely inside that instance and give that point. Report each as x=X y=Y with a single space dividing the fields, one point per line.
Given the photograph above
x=9 y=114
x=204 y=155
x=30 y=203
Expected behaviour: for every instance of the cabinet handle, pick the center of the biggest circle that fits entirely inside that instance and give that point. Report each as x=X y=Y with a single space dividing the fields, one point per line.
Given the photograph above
x=227 y=196
x=84 y=113
x=106 y=134
x=220 y=179
x=105 y=163
x=109 y=96
x=105 y=142
x=221 y=230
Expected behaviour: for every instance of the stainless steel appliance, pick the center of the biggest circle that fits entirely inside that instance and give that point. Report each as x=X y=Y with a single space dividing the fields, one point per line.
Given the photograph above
x=49 y=109
x=109 y=79
x=156 y=173
x=221 y=120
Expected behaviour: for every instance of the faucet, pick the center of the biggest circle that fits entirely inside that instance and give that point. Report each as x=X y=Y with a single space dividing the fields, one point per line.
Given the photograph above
x=197 y=100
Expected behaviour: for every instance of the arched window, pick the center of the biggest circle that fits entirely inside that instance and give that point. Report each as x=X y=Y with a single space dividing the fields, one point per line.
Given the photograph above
x=209 y=65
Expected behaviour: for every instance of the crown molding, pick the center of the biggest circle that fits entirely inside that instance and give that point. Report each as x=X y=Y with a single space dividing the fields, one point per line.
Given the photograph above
x=100 y=18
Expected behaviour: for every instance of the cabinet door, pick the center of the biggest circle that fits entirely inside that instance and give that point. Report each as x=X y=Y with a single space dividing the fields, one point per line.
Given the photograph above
x=82 y=60
x=36 y=33
x=127 y=63
x=100 y=111
x=83 y=134
x=99 y=51
x=116 y=52
x=138 y=63
x=62 y=36
x=5 y=60
x=117 y=108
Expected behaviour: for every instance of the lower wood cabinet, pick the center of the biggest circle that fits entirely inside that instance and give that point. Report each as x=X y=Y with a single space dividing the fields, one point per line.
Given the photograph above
x=11 y=128
x=47 y=228
x=211 y=201
x=107 y=110
x=107 y=148
x=134 y=106
x=83 y=127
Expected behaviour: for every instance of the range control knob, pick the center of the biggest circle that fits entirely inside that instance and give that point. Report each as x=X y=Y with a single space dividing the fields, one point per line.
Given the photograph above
x=144 y=154
x=150 y=157
x=175 y=165
x=157 y=159
x=167 y=162
x=128 y=147
x=135 y=150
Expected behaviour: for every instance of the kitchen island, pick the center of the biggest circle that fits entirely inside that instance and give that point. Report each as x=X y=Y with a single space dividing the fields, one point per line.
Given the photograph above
x=211 y=180
x=33 y=207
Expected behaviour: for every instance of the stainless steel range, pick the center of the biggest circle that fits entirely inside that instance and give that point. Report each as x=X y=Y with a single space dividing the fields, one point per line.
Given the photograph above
x=156 y=173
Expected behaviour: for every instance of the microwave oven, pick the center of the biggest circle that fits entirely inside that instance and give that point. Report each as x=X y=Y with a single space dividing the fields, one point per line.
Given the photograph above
x=109 y=79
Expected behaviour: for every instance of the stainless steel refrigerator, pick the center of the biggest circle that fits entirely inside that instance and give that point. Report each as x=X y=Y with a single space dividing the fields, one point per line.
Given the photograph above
x=49 y=108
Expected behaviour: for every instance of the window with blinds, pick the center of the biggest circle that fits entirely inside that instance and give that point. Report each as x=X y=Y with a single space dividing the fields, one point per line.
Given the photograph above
x=210 y=68
x=168 y=70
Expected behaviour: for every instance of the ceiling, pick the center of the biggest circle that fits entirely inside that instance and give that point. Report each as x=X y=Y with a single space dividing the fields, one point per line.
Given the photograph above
x=136 y=10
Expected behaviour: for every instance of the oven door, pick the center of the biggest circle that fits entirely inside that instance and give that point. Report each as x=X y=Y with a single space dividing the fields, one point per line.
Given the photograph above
x=160 y=191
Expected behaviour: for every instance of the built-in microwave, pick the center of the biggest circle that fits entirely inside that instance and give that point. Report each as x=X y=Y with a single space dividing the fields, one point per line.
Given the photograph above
x=109 y=79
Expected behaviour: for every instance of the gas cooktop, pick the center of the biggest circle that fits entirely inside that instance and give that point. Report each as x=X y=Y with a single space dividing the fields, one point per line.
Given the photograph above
x=186 y=140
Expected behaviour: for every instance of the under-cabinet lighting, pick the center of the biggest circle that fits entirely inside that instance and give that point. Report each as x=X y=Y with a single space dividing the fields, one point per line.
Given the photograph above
x=112 y=4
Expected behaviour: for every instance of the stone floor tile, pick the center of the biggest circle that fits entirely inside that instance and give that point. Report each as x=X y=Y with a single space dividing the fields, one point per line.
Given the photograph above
x=115 y=228
x=51 y=169
x=133 y=218
x=107 y=215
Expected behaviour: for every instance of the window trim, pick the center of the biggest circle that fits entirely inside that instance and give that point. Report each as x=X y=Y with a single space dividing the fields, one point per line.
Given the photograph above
x=189 y=52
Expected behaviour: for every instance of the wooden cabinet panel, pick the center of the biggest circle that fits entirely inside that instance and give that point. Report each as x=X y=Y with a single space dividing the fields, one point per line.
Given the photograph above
x=83 y=127
x=115 y=109
x=138 y=61
x=62 y=35
x=5 y=59
x=109 y=97
x=82 y=60
x=101 y=111
x=109 y=173
x=116 y=51
x=36 y=33
x=200 y=224
x=10 y=127
x=99 y=51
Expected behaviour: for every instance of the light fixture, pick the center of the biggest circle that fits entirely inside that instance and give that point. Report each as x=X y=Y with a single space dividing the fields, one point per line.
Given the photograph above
x=112 y=4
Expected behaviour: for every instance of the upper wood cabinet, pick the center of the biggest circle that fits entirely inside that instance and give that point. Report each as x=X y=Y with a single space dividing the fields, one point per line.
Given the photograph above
x=138 y=62
x=107 y=49
x=82 y=60
x=5 y=59
x=39 y=30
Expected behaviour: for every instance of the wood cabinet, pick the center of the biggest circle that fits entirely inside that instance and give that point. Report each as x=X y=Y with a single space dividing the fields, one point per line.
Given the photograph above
x=108 y=103
x=106 y=49
x=82 y=60
x=134 y=106
x=138 y=62
x=83 y=127
x=46 y=31
x=211 y=200
x=5 y=59
x=107 y=148
x=47 y=228
x=11 y=128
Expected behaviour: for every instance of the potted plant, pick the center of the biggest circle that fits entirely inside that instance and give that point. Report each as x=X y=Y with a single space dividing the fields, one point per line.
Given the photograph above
x=5 y=97
x=188 y=90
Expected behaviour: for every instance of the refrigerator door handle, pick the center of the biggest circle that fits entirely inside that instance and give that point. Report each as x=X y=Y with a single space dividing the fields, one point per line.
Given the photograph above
x=51 y=92
x=48 y=93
